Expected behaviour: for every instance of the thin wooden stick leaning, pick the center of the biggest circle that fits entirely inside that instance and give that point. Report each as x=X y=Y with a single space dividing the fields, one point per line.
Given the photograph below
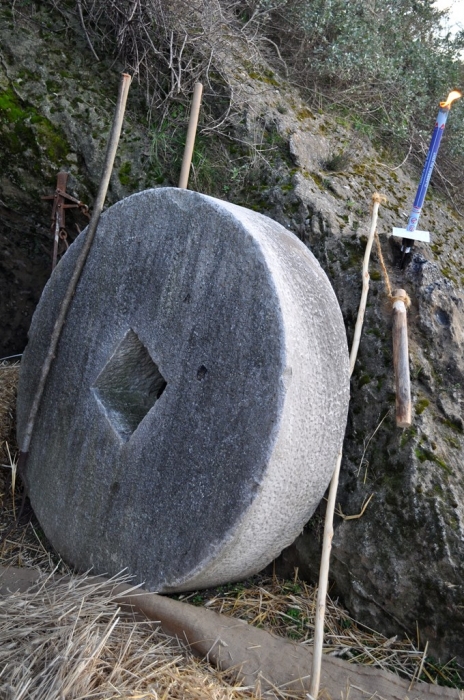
x=329 y=516
x=91 y=230
x=377 y=199
x=191 y=133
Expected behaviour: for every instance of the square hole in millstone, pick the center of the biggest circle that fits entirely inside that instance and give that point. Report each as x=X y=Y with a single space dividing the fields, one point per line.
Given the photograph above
x=129 y=385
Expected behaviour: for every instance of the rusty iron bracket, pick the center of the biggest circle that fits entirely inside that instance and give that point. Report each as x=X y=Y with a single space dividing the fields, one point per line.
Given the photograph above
x=60 y=204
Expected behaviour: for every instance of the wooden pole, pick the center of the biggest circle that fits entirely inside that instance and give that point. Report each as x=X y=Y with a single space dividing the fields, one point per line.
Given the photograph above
x=365 y=283
x=401 y=359
x=191 y=133
x=315 y=679
x=91 y=230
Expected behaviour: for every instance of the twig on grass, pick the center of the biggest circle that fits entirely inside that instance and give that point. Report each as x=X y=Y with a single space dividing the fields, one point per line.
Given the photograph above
x=421 y=667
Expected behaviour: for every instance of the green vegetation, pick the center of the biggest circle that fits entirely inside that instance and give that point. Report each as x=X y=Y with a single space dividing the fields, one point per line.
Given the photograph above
x=124 y=173
x=390 y=55
x=421 y=405
x=450 y=675
x=424 y=455
x=382 y=66
x=338 y=161
x=213 y=170
x=407 y=435
x=28 y=136
x=267 y=76
x=364 y=379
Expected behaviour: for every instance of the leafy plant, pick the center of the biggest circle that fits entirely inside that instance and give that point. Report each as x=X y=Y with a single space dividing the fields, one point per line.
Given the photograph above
x=384 y=63
x=338 y=161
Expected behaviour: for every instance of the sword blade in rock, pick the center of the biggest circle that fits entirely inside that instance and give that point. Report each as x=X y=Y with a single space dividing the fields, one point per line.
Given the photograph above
x=410 y=233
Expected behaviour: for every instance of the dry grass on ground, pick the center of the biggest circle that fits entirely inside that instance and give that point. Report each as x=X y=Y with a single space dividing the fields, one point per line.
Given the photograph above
x=287 y=608
x=70 y=636
x=8 y=380
x=69 y=640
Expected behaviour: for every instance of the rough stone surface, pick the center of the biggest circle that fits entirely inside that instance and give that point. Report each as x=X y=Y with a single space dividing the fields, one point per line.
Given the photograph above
x=194 y=411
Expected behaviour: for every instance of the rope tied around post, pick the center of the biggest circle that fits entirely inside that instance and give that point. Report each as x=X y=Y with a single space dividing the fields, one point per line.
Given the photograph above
x=378 y=198
x=400 y=302
x=404 y=296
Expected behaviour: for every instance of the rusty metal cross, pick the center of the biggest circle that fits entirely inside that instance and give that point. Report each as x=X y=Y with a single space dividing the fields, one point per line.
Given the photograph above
x=62 y=201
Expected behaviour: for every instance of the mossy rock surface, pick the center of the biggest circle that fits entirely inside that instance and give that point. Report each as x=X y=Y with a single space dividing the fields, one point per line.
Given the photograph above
x=55 y=114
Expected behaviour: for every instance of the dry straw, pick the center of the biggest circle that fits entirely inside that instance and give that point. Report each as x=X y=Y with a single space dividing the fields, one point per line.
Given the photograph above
x=288 y=609
x=8 y=380
x=68 y=639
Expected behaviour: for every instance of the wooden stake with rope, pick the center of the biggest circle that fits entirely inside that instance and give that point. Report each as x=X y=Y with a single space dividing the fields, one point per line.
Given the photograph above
x=401 y=359
x=400 y=303
x=315 y=680
x=377 y=199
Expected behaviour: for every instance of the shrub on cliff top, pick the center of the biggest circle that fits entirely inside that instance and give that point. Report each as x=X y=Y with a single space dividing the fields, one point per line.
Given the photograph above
x=387 y=62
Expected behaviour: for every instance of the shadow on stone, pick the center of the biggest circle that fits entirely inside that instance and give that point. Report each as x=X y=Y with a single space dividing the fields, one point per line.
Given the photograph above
x=129 y=386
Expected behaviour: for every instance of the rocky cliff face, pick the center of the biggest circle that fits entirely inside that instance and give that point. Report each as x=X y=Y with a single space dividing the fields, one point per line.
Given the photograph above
x=400 y=566
x=400 y=563
x=55 y=113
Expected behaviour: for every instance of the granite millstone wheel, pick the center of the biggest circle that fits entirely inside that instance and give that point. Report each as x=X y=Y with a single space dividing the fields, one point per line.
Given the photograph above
x=193 y=414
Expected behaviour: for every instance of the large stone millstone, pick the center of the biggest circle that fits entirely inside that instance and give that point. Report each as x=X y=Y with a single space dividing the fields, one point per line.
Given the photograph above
x=193 y=414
